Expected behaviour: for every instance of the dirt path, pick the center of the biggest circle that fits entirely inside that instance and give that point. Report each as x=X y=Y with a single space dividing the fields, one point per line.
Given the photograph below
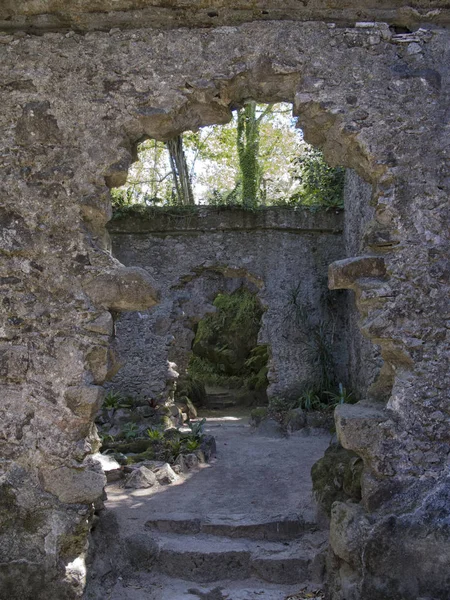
x=245 y=523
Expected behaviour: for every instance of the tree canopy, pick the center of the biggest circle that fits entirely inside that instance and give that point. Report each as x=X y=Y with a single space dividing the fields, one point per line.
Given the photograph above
x=258 y=159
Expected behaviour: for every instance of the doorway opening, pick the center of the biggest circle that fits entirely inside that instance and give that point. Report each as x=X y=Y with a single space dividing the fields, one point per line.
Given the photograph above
x=228 y=368
x=256 y=165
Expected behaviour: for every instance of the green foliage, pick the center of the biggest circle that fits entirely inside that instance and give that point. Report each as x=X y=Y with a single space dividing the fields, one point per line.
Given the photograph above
x=156 y=435
x=196 y=428
x=309 y=400
x=130 y=431
x=321 y=185
x=227 y=198
x=342 y=396
x=325 y=400
x=176 y=447
x=248 y=138
x=106 y=437
x=192 y=445
x=114 y=400
x=257 y=368
x=225 y=351
x=258 y=159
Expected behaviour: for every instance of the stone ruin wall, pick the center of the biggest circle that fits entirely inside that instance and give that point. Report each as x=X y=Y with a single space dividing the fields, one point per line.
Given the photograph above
x=74 y=105
x=195 y=256
x=364 y=360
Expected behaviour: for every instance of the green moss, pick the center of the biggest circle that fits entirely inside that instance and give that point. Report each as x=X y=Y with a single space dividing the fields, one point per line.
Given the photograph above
x=149 y=454
x=259 y=414
x=337 y=477
x=73 y=543
x=225 y=349
x=32 y=521
x=135 y=446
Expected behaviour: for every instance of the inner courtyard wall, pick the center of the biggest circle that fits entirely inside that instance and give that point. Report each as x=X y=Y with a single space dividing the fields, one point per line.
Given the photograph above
x=74 y=106
x=192 y=257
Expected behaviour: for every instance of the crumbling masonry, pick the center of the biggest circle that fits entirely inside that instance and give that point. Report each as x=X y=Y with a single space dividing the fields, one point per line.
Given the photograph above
x=78 y=90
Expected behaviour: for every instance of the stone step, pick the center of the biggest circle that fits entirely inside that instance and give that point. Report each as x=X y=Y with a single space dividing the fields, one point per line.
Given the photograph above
x=206 y=559
x=275 y=529
x=213 y=405
x=172 y=588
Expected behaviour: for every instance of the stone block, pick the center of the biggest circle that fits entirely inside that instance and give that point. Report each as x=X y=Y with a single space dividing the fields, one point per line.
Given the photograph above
x=165 y=474
x=141 y=478
x=103 y=324
x=85 y=401
x=74 y=486
x=124 y=288
x=103 y=363
x=343 y=274
x=357 y=425
x=348 y=530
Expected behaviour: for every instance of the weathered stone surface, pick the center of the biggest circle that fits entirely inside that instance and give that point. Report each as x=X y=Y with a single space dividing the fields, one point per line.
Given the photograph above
x=58 y=15
x=295 y=420
x=362 y=97
x=208 y=447
x=231 y=248
x=270 y=428
x=103 y=324
x=14 y=362
x=337 y=477
x=190 y=461
x=359 y=428
x=165 y=474
x=344 y=274
x=85 y=401
x=123 y=289
x=74 y=486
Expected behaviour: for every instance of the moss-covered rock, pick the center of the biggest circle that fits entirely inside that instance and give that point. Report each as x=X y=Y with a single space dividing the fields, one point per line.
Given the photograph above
x=258 y=415
x=135 y=446
x=337 y=477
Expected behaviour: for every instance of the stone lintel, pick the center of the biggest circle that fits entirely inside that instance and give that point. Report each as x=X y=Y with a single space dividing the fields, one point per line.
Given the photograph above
x=344 y=274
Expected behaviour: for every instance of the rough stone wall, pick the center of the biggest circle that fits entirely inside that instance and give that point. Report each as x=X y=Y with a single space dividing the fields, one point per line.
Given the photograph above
x=85 y=15
x=73 y=108
x=193 y=257
x=364 y=357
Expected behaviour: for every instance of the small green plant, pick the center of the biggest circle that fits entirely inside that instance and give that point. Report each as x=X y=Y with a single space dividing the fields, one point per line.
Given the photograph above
x=130 y=431
x=114 y=400
x=310 y=400
x=106 y=437
x=197 y=429
x=175 y=446
x=155 y=435
x=341 y=396
x=192 y=445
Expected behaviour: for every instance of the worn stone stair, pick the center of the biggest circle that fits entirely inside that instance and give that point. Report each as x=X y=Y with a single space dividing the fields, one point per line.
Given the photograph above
x=220 y=398
x=208 y=559
x=290 y=527
x=242 y=528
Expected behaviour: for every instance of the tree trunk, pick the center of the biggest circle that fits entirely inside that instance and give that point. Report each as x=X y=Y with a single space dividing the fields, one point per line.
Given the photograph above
x=180 y=171
x=248 y=150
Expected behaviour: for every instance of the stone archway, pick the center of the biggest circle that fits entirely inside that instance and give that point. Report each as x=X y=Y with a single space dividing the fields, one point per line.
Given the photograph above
x=74 y=108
